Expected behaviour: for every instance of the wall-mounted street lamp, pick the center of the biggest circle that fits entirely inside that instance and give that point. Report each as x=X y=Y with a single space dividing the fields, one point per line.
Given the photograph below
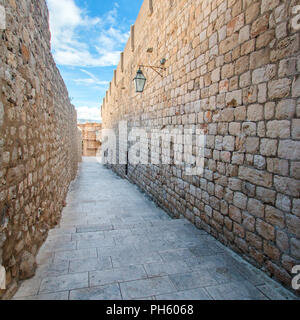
x=140 y=79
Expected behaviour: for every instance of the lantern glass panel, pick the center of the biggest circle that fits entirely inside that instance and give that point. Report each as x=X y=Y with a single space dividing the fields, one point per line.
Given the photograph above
x=140 y=81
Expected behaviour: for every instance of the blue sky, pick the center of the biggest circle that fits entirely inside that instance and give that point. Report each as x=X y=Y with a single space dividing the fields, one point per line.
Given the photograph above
x=87 y=37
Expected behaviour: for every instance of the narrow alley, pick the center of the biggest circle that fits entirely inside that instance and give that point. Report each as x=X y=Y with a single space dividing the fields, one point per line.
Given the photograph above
x=114 y=243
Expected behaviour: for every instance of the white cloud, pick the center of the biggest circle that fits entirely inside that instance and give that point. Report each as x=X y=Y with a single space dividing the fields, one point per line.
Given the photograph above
x=92 y=80
x=88 y=113
x=71 y=47
x=111 y=38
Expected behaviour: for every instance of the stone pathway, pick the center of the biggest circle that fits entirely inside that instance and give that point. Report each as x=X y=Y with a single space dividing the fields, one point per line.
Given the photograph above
x=113 y=243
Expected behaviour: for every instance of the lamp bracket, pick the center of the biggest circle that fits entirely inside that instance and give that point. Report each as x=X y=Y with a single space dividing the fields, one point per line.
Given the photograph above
x=154 y=68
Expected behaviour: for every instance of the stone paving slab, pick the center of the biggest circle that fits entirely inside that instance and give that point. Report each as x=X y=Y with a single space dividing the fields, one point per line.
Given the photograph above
x=194 y=294
x=64 y=295
x=29 y=288
x=76 y=254
x=94 y=228
x=97 y=235
x=108 y=292
x=91 y=264
x=164 y=269
x=53 y=270
x=133 y=272
x=135 y=259
x=95 y=243
x=65 y=282
x=238 y=290
x=145 y=288
x=114 y=243
x=192 y=280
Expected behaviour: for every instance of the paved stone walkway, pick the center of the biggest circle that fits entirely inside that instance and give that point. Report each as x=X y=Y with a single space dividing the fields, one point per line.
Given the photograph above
x=113 y=243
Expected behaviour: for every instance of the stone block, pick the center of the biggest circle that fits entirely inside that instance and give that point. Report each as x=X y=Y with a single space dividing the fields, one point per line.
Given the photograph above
x=289 y=150
x=244 y=34
x=283 y=202
x=268 y=147
x=228 y=143
x=255 y=112
x=254 y=240
x=293 y=225
x=241 y=65
x=267 y=5
x=282 y=241
x=285 y=109
x=271 y=251
x=240 y=200
x=287 y=67
x=254 y=176
x=296 y=207
x=252 y=145
x=266 y=230
x=278 y=129
x=295 y=170
x=260 y=25
x=262 y=58
x=278 y=166
x=295 y=248
x=235 y=214
x=287 y=185
x=296 y=87
x=274 y=216
x=264 y=39
x=256 y=208
x=285 y=48
x=279 y=89
x=259 y=162
x=234 y=128
x=266 y=195
x=229 y=43
x=269 y=110
x=296 y=129
x=281 y=30
x=235 y=24
x=264 y=74
x=248 y=221
x=249 y=128
x=252 y=12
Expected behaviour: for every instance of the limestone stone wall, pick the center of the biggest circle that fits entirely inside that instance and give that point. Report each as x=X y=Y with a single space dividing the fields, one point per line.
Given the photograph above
x=90 y=138
x=79 y=145
x=233 y=71
x=38 y=138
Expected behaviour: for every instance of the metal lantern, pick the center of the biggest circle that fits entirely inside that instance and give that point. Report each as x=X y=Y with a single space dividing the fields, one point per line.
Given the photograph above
x=139 y=81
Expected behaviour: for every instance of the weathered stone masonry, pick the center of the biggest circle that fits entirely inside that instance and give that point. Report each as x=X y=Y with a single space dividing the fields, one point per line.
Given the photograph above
x=38 y=139
x=232 y=70
x=90 y=138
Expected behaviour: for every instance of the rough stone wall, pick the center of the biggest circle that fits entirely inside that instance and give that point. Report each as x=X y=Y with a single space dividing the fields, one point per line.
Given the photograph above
x=90 y=141
x=79 y=145
x=232 y=70
x=38 y=139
